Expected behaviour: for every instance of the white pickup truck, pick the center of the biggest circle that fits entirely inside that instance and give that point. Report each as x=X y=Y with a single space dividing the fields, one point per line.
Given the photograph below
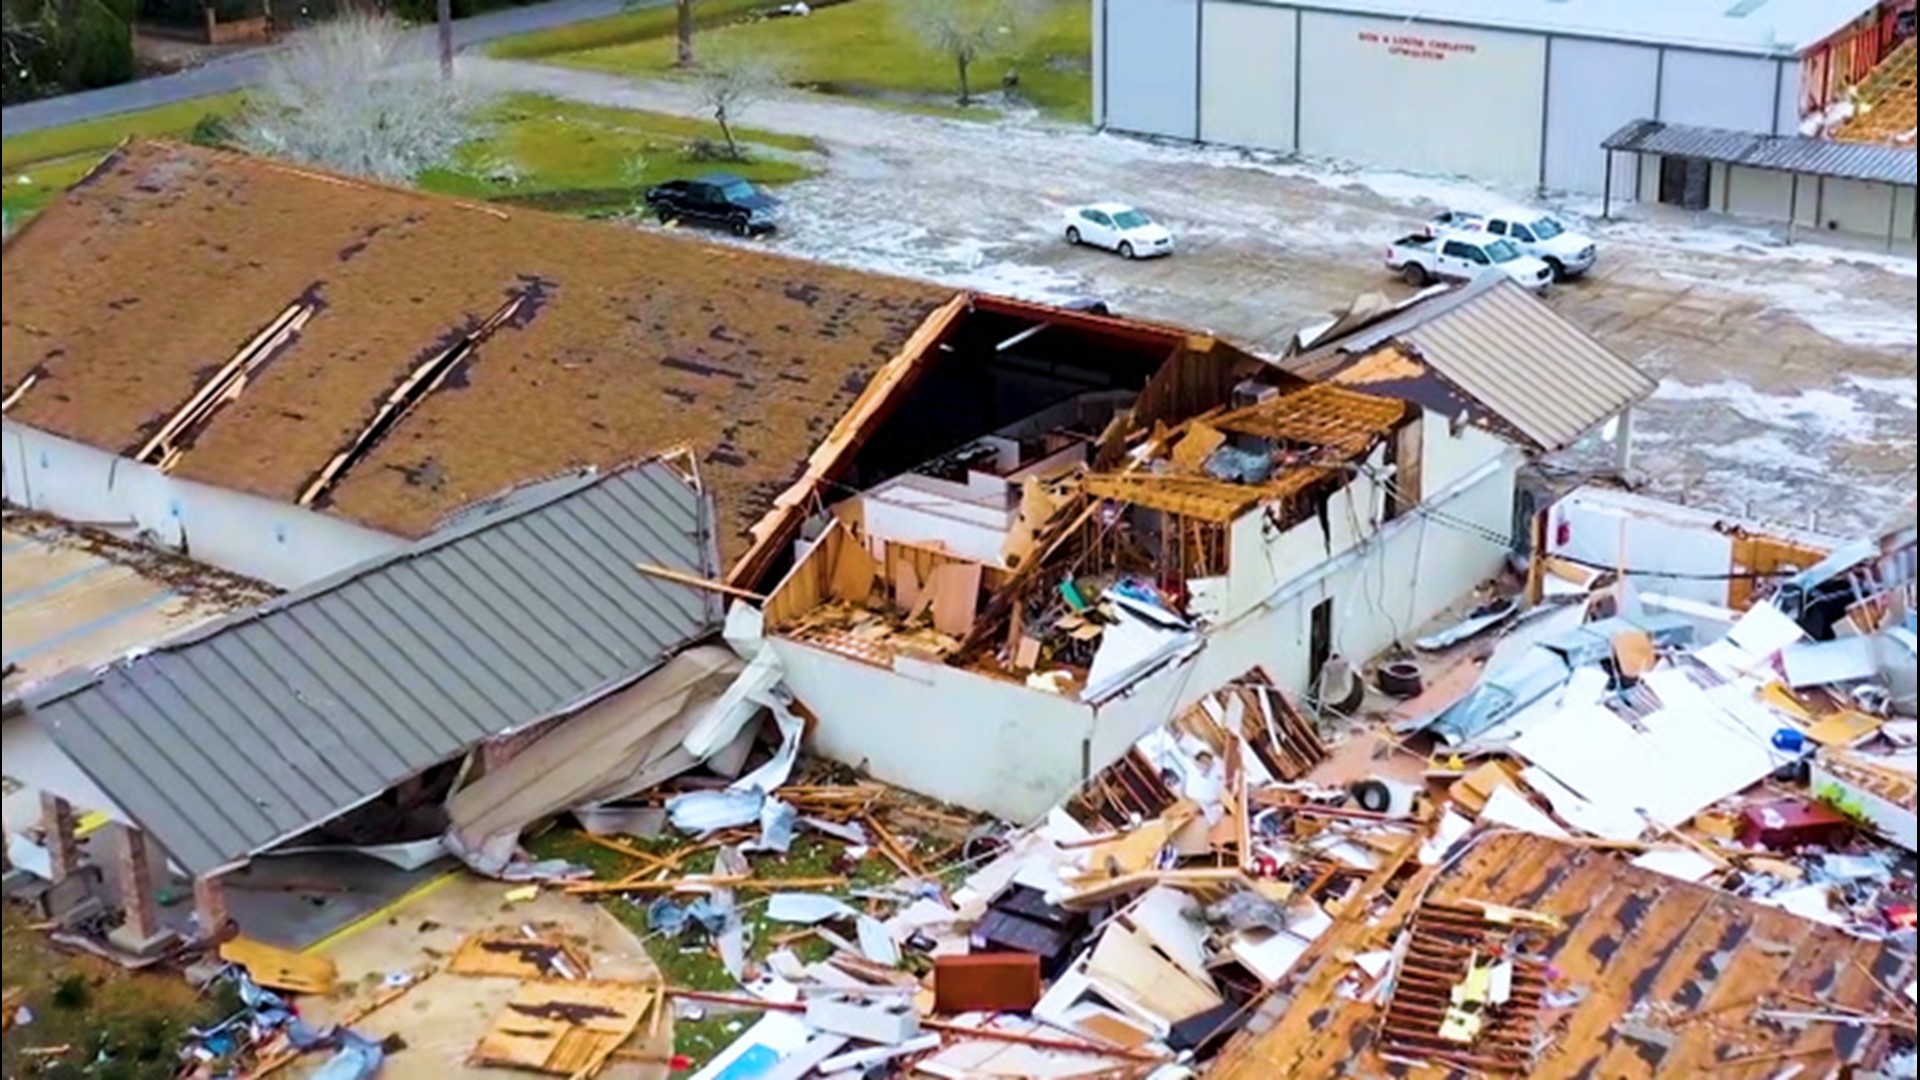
x=1534 y=232
x=1423 y=258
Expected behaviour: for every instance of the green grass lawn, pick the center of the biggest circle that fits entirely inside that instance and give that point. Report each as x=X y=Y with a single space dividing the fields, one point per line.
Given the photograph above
x=561 y=155
x=860 y=49
x=538 y=151
x=622 y=29
x=691 y=962
x=113 y=1023
x=41 y=164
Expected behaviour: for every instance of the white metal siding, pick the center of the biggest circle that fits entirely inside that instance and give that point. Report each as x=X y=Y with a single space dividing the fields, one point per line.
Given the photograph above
x=1716 y=90
x=1427 y=98
x=1787 y=119
x=1855 y=207
x=1595 y=89
x=1151 y=52
x=1247 y=57
x=1758 y=193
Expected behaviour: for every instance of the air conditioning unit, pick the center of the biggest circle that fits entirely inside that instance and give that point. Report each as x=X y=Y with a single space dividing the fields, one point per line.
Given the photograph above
x=1253 y=392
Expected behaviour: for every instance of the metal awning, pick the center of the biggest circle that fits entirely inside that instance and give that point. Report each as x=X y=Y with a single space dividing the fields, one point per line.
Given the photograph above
x=1800 y=154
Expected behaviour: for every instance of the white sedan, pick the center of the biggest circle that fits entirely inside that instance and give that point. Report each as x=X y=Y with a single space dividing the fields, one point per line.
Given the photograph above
x=1118 y=227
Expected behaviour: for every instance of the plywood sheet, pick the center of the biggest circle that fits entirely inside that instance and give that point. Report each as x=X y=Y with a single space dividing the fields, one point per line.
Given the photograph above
x=956 y=592
x=1125 y=961
x=564 y=1027
x=279 y=969
x=516 y=956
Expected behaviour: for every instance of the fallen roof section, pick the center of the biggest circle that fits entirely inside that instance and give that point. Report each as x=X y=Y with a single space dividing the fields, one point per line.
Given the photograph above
x=145 y=312
x=1676 y=979
x=257 y=728
x=77 y=598
x=1492 y=349
x=1803 y=154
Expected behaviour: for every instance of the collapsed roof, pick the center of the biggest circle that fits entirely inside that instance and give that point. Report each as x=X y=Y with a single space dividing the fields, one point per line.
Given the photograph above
x=398 y=355
x=1654 y=955
x=1489 y=350
x=243 y=734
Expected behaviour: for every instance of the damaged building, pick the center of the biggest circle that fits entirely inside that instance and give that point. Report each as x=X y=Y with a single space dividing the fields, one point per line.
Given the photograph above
x=956 y=507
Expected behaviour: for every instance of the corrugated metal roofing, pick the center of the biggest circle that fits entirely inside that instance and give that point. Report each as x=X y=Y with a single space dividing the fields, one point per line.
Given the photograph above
x=1760 y=27
x=1783 y=153
x=1504 y=348
x=255 y=729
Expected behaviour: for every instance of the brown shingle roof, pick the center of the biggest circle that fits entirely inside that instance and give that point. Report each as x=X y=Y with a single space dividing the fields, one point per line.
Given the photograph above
x=150 y=276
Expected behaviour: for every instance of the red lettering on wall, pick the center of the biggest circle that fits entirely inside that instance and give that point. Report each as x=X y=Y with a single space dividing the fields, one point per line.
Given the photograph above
x=1417 y=47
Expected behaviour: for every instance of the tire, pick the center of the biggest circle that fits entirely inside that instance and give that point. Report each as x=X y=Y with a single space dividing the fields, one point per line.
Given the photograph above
x=1559 y=269
x=1073 y=236
x=740 y=225
x=1399 y=678
x=1414 y=274
x=1126 y=249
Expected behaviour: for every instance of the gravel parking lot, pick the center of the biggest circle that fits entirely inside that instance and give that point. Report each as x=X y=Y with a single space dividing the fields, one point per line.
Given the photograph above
x=1787 y=374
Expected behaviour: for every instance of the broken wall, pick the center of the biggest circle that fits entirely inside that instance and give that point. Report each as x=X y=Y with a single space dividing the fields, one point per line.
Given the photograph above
x=1602 y=528
x=275 y=542
x=998 y=746
x=985 y=743
x=1414 y=568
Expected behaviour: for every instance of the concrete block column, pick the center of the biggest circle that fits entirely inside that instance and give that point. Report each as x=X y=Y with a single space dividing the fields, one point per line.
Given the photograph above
x=63 y=843
x=141 y=932
x=210 y=907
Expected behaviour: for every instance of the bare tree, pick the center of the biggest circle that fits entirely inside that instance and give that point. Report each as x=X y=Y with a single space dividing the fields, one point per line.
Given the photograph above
x=965 y=30
x=730 y=81
x=361 y=95
x=443 y=15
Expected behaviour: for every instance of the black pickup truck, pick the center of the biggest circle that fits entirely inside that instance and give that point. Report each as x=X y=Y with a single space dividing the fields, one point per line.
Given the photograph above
x=715 y=199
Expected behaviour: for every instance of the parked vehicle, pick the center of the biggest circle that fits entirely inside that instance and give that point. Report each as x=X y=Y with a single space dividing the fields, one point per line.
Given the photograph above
x=1534 y=232
x=1118 y=227
x=1462 y=256
x=715 y=199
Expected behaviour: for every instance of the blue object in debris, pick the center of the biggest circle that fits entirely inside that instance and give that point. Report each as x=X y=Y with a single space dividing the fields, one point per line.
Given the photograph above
x=1789 y=740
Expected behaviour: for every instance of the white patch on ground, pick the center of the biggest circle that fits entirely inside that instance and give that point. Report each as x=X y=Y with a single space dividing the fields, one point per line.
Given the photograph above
x=1902 y=390
x=1821 y=414
x=1832 y=314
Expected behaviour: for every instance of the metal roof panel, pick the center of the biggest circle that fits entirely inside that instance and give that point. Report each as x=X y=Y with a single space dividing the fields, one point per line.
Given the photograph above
x=265 y=724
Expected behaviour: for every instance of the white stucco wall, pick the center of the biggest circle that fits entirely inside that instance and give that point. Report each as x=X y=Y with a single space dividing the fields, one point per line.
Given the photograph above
x=33 y=764
x=971 y=739
x=278 y=543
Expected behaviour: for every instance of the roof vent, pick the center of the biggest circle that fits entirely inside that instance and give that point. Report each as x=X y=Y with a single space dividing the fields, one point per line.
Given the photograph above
x=1745 y=8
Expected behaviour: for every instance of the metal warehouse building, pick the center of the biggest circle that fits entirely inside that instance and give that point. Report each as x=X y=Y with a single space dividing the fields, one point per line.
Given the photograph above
x=1506 y=91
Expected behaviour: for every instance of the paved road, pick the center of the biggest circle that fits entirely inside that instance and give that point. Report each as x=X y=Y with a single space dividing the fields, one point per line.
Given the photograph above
x=242 y=70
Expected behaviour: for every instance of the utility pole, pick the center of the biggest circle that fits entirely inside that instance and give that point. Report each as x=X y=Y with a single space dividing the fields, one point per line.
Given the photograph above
x=443 y=13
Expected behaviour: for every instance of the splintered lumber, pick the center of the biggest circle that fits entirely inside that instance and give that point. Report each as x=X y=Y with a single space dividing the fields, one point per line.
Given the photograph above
x=893 y=850
x=1073 y=1046
x=724 y=881
x=681 y=577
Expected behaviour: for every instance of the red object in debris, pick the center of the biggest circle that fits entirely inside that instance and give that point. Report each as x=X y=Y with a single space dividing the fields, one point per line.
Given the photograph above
x=679 y=1063
x=1790 y=823
x=986 y=982
x=1899 y=916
